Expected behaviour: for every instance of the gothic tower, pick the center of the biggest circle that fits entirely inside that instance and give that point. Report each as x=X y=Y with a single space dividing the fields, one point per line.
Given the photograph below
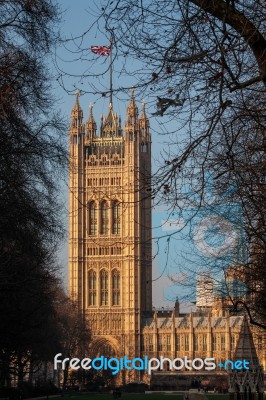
x=110 y=225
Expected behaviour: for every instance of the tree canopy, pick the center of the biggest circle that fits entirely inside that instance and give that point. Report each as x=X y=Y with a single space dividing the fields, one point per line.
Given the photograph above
x=32 y=157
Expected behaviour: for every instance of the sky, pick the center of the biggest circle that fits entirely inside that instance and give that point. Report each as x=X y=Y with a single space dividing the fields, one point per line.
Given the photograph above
x=75 y=69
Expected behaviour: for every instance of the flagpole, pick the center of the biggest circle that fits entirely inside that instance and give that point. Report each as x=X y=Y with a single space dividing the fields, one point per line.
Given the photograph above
x=111 y=70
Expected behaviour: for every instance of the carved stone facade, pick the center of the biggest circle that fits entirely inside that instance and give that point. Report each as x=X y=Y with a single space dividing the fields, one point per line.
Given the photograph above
x=110 y=252
x=110 y=224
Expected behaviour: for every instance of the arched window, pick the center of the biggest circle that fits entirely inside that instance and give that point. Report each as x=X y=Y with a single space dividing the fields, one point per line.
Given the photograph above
x=116 y=218
x=104 y=288
x=92 y=218
x=116 y=288
x=92 y=288
x=104 y=218
x=143 y=147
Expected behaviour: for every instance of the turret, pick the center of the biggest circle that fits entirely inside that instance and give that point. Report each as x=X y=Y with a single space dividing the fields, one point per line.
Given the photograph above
x=76 y=115
x=177 y=307
x=144 y=124
x=131 y=125
x=132 y=112
x=91 y=126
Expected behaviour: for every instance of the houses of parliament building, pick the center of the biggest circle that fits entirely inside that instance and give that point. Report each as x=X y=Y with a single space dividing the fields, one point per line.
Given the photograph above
x=110 y=251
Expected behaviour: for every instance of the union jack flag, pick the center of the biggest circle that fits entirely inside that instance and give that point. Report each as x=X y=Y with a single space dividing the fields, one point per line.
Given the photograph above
x=101 y=50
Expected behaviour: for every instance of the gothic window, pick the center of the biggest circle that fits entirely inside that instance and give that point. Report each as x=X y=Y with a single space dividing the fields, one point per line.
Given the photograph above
x=116 y=288
x=168 y=343
x=160 y=343
x=116 y=218
x=143 y=147
x=104 y=218
x=232 y=341
x=92 y=218
x=177 y=342
x=150 y=343
x=196 y=342
x=92 y=288
x=104 y=287
x=92 y=161
x=214 y=343
x=222 y=342
x=115 y=161
x=104 y=161
x=186 y=340
x=204 y=342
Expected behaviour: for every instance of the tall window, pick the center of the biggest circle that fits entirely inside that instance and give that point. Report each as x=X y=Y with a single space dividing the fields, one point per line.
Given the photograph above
x=104 y=218
x=150 y=343
x=104 y=287
x=222 y=342
x=186 y=339
x=116 y=288
x=168 y=343
x=177 y=342
x=92 y=288
x=204 y=342
x=160 y=343
x=196 y=342
x=92 y=219
x=214 y=343
x=116 y=218
x=232 y=342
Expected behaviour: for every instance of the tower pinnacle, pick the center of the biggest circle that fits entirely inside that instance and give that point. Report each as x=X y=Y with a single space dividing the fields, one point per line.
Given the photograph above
x=91 y=124
x=144 y=124
x=132 y=110
x=77 y=113
x=143 y=113
x=110 y=125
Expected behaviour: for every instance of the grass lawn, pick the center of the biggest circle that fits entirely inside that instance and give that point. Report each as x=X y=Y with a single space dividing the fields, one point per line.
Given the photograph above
x=125 y=396
x=136 y=396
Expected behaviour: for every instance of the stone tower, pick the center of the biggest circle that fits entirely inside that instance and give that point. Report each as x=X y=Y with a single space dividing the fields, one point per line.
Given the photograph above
x=110 y=226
